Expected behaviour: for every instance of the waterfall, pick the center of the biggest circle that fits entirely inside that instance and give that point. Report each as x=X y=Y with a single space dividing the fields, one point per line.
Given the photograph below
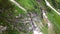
x=36 y=30
x=17 y=4
x=48 y=4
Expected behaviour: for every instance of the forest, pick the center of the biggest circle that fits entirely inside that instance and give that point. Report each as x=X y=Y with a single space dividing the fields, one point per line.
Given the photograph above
x=29 y=16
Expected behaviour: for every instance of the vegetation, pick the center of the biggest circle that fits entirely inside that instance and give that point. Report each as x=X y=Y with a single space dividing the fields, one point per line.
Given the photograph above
x=16 y=21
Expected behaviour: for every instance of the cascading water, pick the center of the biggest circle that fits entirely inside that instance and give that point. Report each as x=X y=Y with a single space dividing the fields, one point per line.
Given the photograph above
x=35 y=30
x=48 y=4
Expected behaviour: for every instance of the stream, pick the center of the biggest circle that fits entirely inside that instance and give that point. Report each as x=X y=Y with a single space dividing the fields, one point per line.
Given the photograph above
x=17 y=4
x=36 y=30
x=48 y=4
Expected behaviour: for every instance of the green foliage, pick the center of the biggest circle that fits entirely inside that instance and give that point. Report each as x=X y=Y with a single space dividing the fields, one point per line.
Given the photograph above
x=55 y=3
x=55 y=19
x=13 y=17
x=8 y=13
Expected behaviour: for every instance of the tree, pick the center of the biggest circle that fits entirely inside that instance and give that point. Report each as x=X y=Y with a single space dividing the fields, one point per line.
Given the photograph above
x=14 y=19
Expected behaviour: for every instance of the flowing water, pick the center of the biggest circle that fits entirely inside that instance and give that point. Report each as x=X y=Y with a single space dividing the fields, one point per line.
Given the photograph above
x=48 y=4
x=35 y=30
x=17 y=4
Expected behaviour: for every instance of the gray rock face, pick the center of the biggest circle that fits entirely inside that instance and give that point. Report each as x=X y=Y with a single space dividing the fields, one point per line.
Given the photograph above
x=2 y=28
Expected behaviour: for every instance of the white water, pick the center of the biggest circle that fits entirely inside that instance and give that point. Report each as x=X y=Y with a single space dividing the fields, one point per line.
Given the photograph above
x=48 y=4
x=36 y=31
x=17 y=4
x=44 y=14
